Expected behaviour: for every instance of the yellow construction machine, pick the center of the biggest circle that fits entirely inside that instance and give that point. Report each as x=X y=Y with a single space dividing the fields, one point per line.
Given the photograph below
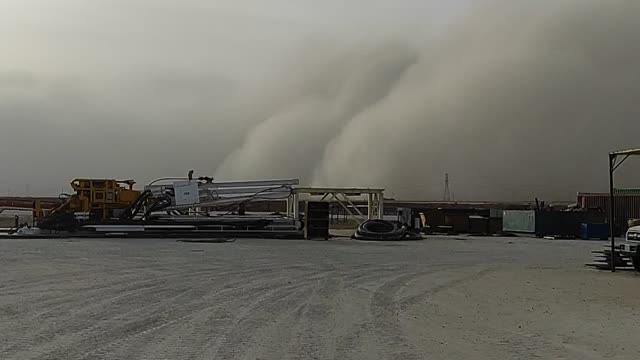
x=97 y=199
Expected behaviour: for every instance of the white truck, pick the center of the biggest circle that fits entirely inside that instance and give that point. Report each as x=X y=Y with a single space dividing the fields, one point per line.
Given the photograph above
x=631 y=247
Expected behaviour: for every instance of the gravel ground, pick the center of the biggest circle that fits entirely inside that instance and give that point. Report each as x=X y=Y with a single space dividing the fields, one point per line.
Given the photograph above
x=442 y=298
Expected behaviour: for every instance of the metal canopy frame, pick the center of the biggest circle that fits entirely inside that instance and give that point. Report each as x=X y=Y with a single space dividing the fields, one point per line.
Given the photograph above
x=614 y=164
x=343 y=196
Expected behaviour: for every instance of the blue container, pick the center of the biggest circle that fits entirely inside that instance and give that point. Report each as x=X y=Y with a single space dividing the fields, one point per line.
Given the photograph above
x=594 y=231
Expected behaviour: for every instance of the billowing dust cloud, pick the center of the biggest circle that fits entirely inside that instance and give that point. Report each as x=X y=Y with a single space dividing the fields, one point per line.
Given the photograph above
x=514 y=99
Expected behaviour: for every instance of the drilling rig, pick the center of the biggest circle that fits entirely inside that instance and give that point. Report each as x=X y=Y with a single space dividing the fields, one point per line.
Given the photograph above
x=169 y=207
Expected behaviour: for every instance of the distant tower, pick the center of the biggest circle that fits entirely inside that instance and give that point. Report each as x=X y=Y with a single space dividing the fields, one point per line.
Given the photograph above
x=447 y=192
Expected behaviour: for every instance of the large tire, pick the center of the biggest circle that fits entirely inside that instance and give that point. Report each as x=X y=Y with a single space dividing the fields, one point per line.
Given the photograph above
x=380 y=230
x=635 y=260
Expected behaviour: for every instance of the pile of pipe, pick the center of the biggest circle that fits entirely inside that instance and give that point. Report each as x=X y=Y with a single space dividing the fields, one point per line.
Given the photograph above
x=383 y=230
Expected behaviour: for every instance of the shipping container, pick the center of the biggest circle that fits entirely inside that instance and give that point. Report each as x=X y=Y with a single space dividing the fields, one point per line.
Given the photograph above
x=478 y=225
x=519 y=221
x=445 y=220
x=459 y=222
x=561 y=223
x=495 y=213
x=549 y=223
x=495 y=225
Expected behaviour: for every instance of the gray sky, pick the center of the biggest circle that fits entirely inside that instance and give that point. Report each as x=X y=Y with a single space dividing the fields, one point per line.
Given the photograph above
x=150 y=88
x=514 y=99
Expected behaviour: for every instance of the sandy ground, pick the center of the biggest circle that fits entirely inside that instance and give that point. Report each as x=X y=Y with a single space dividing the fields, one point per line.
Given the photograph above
x=442 y=298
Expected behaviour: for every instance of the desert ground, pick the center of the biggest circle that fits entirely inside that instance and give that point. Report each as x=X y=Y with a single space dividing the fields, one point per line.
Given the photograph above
x=440 y=298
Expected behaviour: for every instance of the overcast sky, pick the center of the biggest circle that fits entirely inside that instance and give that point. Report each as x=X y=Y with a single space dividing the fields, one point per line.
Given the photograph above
x=72 y=35
x=342 y=93
x=121 y=88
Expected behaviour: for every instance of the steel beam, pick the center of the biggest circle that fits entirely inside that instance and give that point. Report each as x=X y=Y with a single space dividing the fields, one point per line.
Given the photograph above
x=333 y=196
x=612 y=160
x=296 y=206
x=352 y=204
x=346 y=191
x=242 y=190
x=231 y=200
x=256 y=183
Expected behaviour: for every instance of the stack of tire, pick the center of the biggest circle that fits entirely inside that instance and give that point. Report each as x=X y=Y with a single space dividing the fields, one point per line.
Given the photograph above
x=383 y=230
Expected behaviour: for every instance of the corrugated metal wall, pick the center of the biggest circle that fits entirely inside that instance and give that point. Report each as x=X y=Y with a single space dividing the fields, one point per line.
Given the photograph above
x=627 y=205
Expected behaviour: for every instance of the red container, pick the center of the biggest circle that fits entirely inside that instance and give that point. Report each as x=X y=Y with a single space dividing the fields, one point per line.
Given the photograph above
x=627 y=205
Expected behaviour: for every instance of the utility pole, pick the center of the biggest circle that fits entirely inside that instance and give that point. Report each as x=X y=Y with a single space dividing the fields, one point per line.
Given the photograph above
x=447 y=191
